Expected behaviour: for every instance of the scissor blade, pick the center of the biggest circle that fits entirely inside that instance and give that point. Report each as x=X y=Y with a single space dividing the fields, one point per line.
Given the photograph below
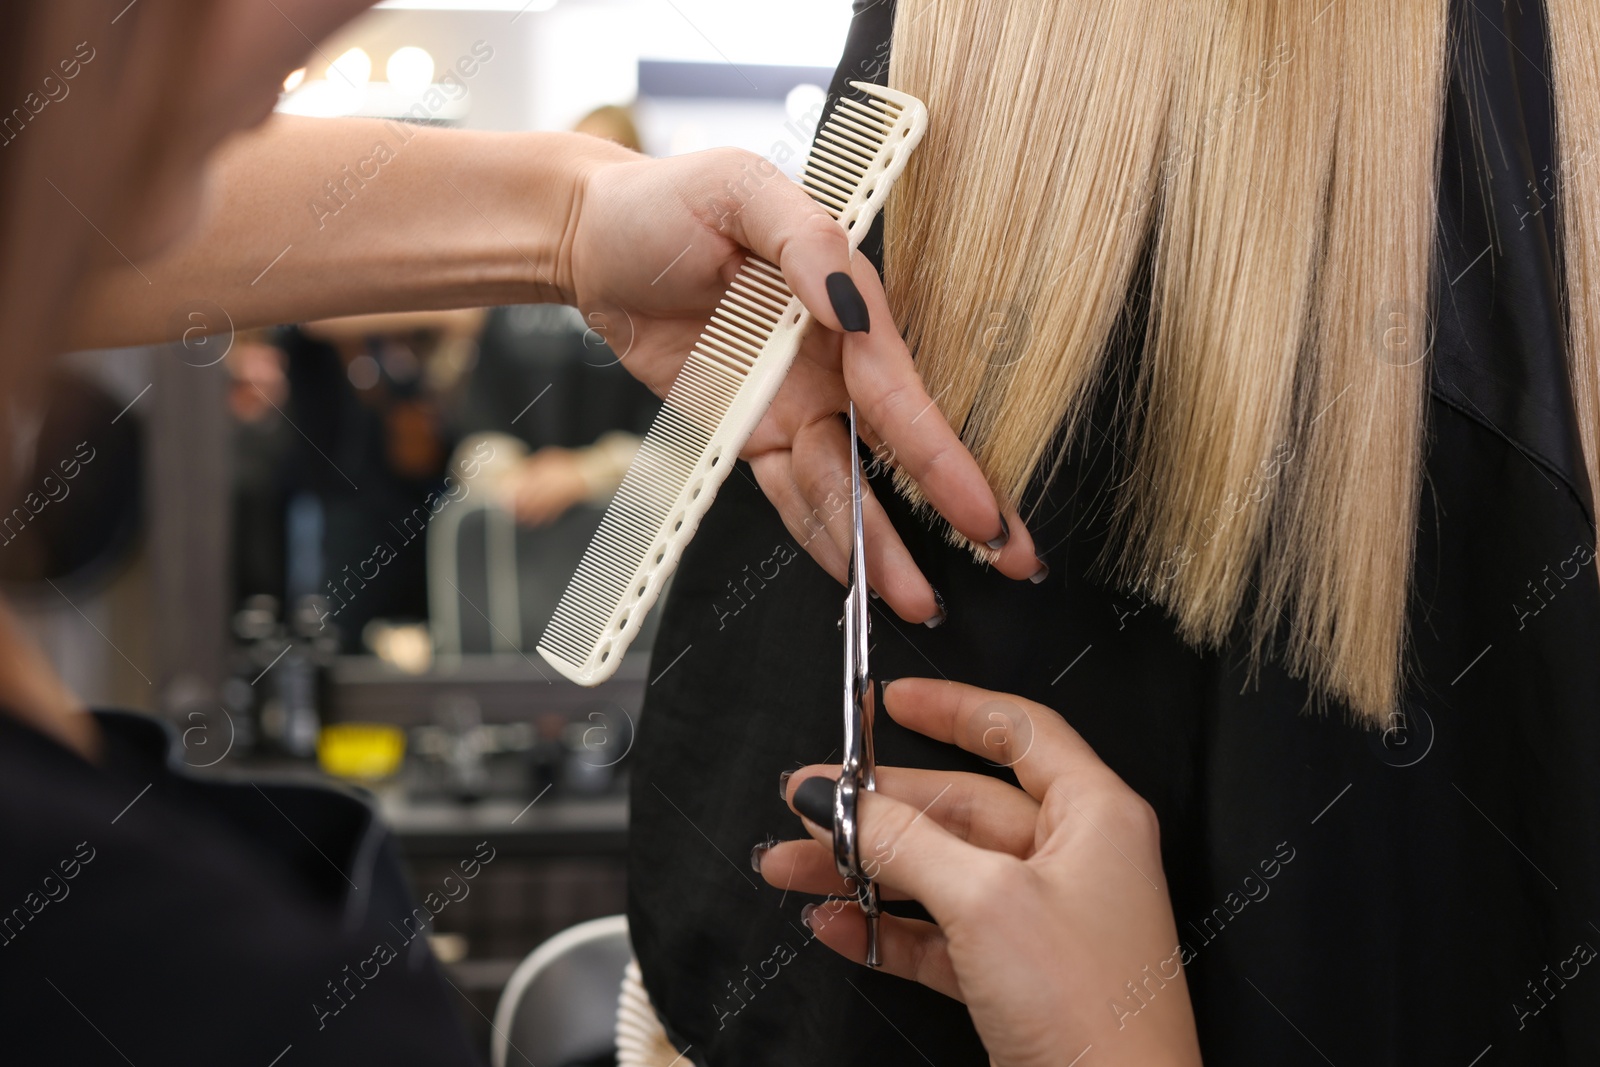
x=856 y=602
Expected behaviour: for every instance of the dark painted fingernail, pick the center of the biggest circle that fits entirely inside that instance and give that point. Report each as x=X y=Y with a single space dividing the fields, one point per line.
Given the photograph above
x=847 y=302
x=783 y=785
x=1041 y=574
x=758 y=851
x=1005 y=535
x=813 y=798
x=937 y=618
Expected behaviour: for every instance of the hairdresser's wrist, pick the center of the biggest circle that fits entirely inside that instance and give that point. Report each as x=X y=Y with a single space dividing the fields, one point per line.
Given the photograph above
x=561 y=170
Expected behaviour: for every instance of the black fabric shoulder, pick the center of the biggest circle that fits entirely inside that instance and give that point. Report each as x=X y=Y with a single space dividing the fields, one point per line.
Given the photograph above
x=151 y=916
x=1498 y=244
x=1420 y=894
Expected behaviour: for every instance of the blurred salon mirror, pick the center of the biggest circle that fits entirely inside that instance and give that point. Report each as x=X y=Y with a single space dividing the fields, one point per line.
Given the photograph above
x=425 y=484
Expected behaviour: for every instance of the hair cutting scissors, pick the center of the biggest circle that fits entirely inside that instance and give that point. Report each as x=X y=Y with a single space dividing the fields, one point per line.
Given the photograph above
x=858 y=770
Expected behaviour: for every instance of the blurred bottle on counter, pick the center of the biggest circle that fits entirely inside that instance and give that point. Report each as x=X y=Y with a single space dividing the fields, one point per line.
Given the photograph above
x=547 y=754
x=255 y=633
x=594 y=747
x=467 y=742
x=295 y=662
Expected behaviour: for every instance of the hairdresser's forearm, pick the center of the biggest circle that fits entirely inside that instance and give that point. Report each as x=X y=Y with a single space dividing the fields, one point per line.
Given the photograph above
x=314 y=218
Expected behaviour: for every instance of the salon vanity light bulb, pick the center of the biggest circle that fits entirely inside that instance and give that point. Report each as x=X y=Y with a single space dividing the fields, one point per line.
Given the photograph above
x=352 y=68
x=292 y=82
x=410 y=69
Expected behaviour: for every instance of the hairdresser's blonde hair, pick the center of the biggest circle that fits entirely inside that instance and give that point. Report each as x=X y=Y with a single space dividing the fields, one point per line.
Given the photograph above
x=1273 y=165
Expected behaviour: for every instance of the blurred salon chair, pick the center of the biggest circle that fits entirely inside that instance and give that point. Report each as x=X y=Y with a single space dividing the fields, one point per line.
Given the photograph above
x=492 y=585
x=494 y=564
x=560 y=1006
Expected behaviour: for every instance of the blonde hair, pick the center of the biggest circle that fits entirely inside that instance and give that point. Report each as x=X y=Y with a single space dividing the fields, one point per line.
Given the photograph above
x=614 y=123
x=1272 y=168
x=1575 y=44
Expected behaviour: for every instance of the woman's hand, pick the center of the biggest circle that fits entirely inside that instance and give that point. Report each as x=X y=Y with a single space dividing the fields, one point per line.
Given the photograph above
x=654 y=246
x=645 y=248
x=1052 y=921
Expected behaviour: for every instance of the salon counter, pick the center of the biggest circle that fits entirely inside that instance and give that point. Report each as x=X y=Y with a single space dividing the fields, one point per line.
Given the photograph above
x=512 y=687
x=552 y=825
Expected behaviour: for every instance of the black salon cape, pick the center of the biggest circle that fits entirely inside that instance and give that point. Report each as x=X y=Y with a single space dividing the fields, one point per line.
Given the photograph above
x=1420 y=881
x=153 y=918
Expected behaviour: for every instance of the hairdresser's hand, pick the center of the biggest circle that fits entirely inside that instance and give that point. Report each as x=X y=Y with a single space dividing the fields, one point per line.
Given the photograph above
x=655 y=244
x=1048 y=901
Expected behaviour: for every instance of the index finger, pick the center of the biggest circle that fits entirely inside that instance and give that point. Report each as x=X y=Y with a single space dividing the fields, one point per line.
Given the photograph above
x=783 y=225
x=882 y=379
x=1032 y=740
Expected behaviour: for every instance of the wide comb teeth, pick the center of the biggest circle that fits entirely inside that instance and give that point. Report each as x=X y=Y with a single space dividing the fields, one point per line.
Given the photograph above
x=722 y=392
x=845 y=149
x=745 y=319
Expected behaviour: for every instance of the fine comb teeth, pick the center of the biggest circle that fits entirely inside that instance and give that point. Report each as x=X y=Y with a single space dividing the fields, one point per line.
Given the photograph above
x=720 y=395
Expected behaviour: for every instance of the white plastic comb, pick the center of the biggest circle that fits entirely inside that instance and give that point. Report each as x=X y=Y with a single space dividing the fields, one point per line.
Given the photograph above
x=718 y=398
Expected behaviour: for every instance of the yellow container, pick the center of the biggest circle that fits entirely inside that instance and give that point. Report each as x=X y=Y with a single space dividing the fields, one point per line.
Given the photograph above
x=362 y=751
